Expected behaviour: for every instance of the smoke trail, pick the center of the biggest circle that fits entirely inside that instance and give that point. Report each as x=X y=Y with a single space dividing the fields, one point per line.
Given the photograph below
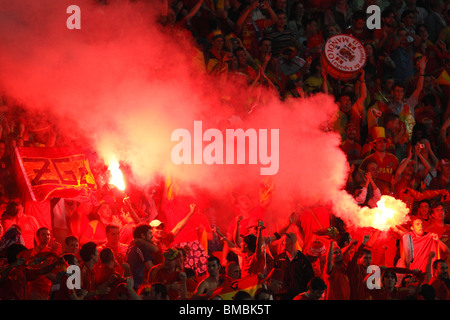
x=123 y=84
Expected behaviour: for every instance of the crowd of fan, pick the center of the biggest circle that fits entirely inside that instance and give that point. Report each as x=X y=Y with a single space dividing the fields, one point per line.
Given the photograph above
x=394 y=122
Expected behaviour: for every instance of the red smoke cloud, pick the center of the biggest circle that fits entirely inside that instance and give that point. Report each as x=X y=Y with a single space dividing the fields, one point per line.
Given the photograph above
x=123 y=84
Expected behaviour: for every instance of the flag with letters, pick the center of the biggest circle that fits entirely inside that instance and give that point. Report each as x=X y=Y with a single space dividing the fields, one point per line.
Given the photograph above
x=230 y=287
x=55 y=173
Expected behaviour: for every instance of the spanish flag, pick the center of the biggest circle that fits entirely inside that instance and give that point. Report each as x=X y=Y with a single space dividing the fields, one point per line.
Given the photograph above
x=230 y=287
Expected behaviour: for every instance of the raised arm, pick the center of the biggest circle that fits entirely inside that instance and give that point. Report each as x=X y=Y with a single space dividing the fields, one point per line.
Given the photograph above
x=426 y=165
x=359 y=104
x=329 y=262
x=194 y=10
x=402 y=166
x=419 y=87
x=237 y=236
x=272 y=13
x=244 y=15
x=441 y=245
x=230 y=244
x=259 y=240
x=355 y=257
x=290 y=221
x=182 y=223
x=133 y=213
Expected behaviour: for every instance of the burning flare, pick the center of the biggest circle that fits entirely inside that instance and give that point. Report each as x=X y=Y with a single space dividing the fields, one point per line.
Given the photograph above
x=116 y=176
x=389 y=212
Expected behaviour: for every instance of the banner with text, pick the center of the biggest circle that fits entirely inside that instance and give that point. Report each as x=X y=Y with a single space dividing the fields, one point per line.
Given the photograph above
x=56 y=173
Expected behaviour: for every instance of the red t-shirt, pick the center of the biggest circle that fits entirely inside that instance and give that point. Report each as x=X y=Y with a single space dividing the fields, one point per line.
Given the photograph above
x=189 y=232
x=338 y=285
x=251 y=265
x=359 y=290
x=386 y=166
x=442 y=291
x=88 y=280
x=103 y=274
x=42 y=284
x=160 y=274
x=442 y=231
x=16 y=287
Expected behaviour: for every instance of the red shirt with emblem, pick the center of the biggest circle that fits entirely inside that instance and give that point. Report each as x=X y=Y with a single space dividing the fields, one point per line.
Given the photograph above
x=386 y=165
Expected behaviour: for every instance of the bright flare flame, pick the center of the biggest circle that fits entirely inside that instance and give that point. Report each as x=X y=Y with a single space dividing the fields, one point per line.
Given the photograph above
x=389 y=212
x=116 y=176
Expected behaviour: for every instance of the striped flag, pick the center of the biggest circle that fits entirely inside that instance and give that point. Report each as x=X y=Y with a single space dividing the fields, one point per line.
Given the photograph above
x=230 y=287
x=55 y=173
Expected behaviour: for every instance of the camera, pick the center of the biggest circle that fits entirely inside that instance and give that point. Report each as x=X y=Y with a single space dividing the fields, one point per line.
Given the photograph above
x=422 y=146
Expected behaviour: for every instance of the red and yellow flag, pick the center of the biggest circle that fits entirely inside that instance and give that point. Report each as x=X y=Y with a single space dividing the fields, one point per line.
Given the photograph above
x=55 y=173
x=230 y=287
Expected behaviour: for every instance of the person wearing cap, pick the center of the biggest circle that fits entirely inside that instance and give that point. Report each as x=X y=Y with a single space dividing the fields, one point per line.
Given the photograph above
x=168 y=273
x=387 y=162
x=216 y=57
x=164 y=239
x=297 y=269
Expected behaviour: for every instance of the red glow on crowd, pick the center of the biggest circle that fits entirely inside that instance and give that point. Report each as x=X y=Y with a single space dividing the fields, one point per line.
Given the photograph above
x=89 y=114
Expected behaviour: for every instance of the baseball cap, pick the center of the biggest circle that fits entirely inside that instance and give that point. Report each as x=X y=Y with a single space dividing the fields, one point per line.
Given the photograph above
x=156 y=223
